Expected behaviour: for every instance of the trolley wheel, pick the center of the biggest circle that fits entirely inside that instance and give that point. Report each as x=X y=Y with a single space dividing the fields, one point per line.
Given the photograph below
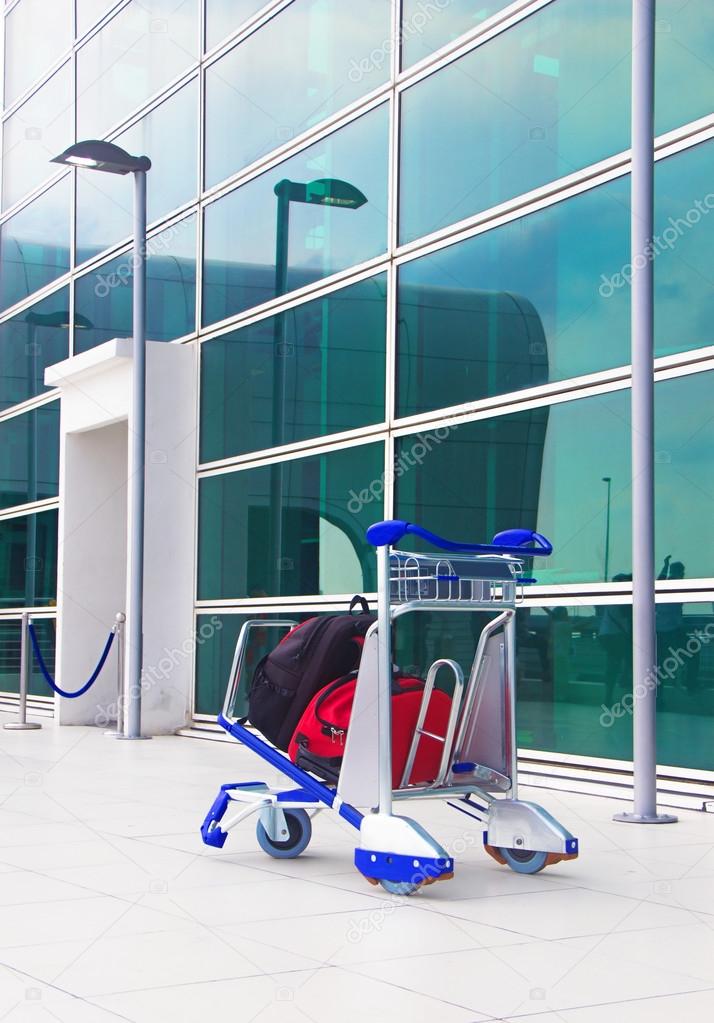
x=524 y=861
x=400 y=887
x=299 y=835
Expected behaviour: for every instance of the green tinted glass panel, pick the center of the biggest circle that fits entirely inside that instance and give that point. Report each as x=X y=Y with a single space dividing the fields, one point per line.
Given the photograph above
x=547 y=297
x=28 y=560
x=216 y=637
x=574 y=675
x=29 y=342
x=29 y=456
x=544 y=469
x=34 y=244
x=538 y=102
x=322 y=363
x=104 y=201
x=40 y=129
x=225 y=16
x=316 y=541
x=36 y=34
x=529 y=106
x=45 y=630
x=240 y=229
x=255 y=105
x=428 y=26
x=103 y=297
x=138 y=52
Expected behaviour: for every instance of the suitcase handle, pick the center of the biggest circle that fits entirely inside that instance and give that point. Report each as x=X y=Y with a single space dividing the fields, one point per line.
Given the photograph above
x=510 y=541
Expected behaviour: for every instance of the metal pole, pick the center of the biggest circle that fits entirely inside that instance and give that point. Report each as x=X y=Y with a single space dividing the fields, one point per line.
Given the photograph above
x=384 y=681
x=22 y=724
x=135 y=565
x=644 y=636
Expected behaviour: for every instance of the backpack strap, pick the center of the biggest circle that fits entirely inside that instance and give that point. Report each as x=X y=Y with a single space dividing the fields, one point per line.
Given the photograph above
x=359 y=599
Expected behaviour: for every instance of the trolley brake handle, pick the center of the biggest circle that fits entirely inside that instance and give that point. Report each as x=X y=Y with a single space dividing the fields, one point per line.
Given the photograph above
x=510 y=541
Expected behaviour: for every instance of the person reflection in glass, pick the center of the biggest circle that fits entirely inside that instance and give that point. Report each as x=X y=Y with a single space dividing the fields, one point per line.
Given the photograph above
x=615 y=635
x=669 y=618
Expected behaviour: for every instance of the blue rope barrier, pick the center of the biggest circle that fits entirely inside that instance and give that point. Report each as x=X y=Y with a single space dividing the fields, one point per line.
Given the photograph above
x=48 y=678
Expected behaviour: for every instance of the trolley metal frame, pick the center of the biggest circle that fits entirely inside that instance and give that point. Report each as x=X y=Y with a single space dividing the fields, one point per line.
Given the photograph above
x=478 y=772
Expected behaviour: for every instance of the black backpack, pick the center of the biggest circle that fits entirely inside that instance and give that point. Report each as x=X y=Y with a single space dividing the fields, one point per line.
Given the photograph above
x=311 y=655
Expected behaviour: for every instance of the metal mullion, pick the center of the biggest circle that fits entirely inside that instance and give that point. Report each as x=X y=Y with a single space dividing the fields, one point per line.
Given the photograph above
x=360 y=271
x=244 y=30
x=20 y=511
x=492 y=27
x=322 y=131
x=290 y=452
x=37 y=401
x=291 y=300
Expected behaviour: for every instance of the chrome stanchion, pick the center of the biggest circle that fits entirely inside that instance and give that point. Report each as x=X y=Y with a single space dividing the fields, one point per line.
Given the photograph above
x=118 y=732
x=22 y=724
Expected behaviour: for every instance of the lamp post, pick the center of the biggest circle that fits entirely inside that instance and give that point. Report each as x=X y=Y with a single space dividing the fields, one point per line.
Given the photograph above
x=111 y=159
x=321 y=192
x=608 y=480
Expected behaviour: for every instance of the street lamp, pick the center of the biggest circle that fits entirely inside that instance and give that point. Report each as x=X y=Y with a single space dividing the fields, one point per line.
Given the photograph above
x=112 y=159
x=608 y=480
x=321 y=192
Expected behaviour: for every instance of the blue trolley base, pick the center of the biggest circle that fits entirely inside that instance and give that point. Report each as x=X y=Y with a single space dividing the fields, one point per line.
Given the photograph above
x=381 y=866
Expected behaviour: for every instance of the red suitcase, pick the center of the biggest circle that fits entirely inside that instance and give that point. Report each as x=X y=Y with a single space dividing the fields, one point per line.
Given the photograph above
x=318 y=742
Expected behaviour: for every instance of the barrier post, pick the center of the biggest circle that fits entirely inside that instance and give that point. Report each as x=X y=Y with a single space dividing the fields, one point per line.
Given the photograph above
x=22 y=724
x=118 y=732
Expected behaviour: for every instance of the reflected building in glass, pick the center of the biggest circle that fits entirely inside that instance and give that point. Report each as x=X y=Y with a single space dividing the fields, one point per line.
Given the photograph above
x=451 y=349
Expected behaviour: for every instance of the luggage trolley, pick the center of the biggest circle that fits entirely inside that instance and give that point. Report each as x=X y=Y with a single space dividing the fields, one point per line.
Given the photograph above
x=477 y=773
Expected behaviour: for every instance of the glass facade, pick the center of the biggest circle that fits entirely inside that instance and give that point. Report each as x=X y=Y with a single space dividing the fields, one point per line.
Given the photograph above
x=242 y=265
x=256 y=106
x=353 y=365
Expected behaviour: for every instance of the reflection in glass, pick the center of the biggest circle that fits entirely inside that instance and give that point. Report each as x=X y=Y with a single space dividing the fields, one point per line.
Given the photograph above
x=225 y=16
x=42 y=127
x=104 y=296
x=45 y=630
x=29 y=456
x=24 y=63
x=168 y=135
x=314 y=544
x=325 y=345
x=28 y=560
x=426 y=28
x=240 y=242
x=29 y=342
x=546 y=297
x=293 y=72
x=526 y=107
x=543 y=469
x=134 y=55
x=538 y=102
x=34 y=244
x=218 y=634
x=574 y=674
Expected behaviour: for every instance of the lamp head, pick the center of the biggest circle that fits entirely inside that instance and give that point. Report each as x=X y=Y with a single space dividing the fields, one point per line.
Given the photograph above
x=94 y=154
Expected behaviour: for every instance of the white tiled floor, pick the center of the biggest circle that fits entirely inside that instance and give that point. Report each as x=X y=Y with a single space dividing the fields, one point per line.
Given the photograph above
x=112 y=909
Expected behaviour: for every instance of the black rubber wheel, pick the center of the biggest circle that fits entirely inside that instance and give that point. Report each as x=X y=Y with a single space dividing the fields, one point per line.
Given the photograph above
x=297 y=840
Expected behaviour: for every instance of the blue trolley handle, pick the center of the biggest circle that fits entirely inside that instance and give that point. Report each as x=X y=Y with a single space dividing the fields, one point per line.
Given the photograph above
x=510 y=541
